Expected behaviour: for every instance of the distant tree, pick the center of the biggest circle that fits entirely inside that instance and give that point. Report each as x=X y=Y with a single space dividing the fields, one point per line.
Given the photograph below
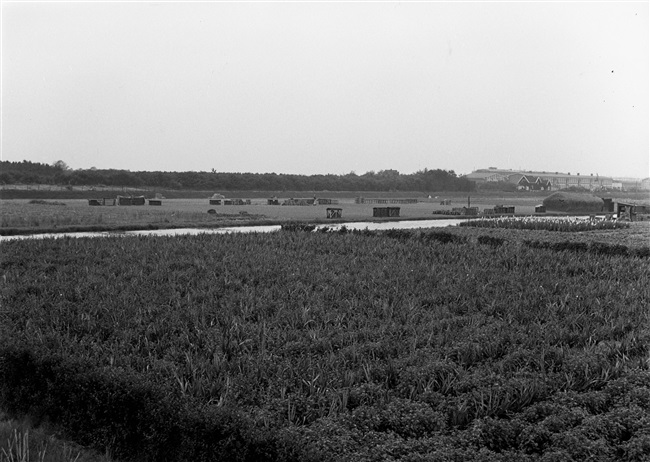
x=59 y=164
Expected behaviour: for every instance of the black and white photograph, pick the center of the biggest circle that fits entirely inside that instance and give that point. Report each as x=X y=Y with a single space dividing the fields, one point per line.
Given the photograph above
x=324 y=231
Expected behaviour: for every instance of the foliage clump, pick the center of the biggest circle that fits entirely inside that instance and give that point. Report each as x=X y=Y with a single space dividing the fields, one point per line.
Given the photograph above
x=573 y=202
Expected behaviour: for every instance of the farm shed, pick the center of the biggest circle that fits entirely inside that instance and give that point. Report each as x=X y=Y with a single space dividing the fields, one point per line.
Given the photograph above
x=273 y=201
x=499 y=209
x=130 y=200
x=570 y=202
x=217 y=199
x=155 y=202
x=327 y=201
x=334 y=213
x=540 y=209
x=626 y=211
x=385 y=211
x=102 y=201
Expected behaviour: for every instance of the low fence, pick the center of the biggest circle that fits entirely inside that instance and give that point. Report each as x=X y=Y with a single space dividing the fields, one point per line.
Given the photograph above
x=365 y=200
x=236 y=202
x=292 y=201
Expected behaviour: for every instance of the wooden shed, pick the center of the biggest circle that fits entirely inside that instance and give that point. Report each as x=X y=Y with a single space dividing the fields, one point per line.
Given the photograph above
x=130 y=200
x=504 y=209
x=385 y=212
x=625 y=211
x=334 y=213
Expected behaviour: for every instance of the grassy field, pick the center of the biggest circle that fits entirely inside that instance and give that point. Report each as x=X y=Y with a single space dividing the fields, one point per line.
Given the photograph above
x=19 y=216
x=292 y=346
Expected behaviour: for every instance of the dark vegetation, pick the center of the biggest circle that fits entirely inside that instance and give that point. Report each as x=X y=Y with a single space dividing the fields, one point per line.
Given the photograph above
x=356 y=346
x=571 y=202
x=27 y=172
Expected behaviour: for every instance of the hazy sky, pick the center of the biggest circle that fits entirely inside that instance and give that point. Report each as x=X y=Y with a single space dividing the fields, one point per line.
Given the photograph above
x=325 y=87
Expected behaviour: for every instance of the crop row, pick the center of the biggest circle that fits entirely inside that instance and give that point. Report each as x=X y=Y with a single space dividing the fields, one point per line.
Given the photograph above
x=316 y=346
x=548 y=224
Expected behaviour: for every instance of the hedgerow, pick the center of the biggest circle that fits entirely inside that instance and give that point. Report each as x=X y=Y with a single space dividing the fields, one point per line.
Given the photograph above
x=328 y=346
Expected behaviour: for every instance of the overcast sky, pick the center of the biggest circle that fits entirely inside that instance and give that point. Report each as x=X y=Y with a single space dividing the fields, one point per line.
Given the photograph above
x=315 y=88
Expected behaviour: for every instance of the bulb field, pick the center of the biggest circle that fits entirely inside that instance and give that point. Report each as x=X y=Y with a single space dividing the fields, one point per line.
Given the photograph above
x=337 y=346
x=547 y=224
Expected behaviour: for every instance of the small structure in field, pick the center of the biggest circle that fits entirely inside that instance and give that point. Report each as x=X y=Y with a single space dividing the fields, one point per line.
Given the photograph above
x=130 y=200
x=540 y=209
x=102 y=201
x=385 y=212
x=626 y=211
x=504 y=209
x=273 y=201
x=217 y=199
x=334 y=213
x=155 y=202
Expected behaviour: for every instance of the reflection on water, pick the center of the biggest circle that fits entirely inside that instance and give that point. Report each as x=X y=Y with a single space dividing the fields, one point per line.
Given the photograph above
x=413 y=224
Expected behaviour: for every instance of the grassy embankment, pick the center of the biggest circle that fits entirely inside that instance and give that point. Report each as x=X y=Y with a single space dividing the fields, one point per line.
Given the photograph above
x=438 y=345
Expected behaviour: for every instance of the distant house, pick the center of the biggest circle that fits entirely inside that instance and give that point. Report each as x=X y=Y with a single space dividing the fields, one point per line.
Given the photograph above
x=530 y=183
x=545 y=181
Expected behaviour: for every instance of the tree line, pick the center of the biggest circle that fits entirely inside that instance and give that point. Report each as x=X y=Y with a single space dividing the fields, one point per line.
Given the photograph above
x=27 y=172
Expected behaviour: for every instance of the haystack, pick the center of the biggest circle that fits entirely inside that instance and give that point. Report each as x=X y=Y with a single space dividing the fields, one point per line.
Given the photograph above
x=570 y=202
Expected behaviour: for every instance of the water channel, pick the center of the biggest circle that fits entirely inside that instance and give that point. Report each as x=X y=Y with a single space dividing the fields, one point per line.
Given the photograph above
x=360 y=225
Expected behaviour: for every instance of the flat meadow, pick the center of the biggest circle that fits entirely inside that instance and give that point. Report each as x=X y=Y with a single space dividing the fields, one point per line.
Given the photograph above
x=20 y=216
x=422 y=345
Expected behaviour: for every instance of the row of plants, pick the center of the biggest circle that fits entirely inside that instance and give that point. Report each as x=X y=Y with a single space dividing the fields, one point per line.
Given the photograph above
x=360 y=346
x=599 y=248
x=548 y=224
